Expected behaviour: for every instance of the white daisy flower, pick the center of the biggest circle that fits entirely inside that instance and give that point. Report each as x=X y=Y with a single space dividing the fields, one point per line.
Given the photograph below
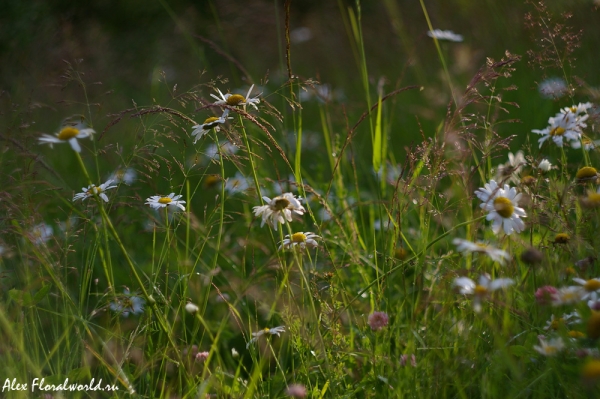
x=171 y=200
x=68 y=134
x=124 y=175
x=578 y=110
x=551 y=347
x=445 y=35
x=302 y=240
x=41 y=233
x=561 y=127
x=93 y=189
x=591 y=288
x=236 y=99
x=128 y=304
x=210 y=123
x=502 y=205
x=279 y=209
x=271 y=331
x=510 y=171
x=568 y=295
x=236 y=184
x=466 y=246
x=545 y=165
x=566 y=319
x=482 y=289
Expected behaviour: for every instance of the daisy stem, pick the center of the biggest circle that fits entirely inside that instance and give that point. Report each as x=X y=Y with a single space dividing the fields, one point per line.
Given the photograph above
x=251 y=158
x=149 y=299
x=222 y=204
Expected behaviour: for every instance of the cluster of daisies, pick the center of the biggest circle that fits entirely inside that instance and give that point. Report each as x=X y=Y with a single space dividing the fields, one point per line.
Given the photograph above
x=278 y=211
x=567 y=127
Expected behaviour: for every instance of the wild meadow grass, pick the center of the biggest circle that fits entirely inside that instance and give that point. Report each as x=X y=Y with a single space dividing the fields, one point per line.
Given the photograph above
x=219 y=242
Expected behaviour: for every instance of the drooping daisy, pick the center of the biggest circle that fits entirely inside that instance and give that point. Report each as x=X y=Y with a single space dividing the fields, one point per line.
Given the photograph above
x=466 y=246
x=591 y=288
x=502 y=205
x=561 y=127
x=588 y=144
x=556 y=323
x=171 y=200
x=68 y=134
x=211 y=123
x=128 y=303
x=279 y=209
x=236 y=99
x=482 y=289
x=124 y=175
x=550 y=347
x=510 y=171
x=94 y=190
x=301 y=240
x=445 y=35
x=592 y=200
x=271 y=331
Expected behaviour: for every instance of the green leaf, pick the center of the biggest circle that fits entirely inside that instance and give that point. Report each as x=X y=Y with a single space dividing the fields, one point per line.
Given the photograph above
x=21 y=297
x=41 y=294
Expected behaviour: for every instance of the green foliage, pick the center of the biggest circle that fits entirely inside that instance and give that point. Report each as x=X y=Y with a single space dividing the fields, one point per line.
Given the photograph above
x=215 y=287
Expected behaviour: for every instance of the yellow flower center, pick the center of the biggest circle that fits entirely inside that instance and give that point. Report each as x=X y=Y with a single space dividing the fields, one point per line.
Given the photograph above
x=557 y=131
x=550 y=350
x=67 y=133
x=587 y=172
x=591 y=370
x=570 y=271
x=281 y=204
x=573 y=109
x=592 y=285
x=266 y=330
x=561 y=238
x=165 y=200
x=235 y=99
x=556 y=323
x=504 y=207
x=211 y=180
x=94 y=190
x=298 y=237
x=576 y=334
x=211 y=120
x=480 y=290
x=594 y=198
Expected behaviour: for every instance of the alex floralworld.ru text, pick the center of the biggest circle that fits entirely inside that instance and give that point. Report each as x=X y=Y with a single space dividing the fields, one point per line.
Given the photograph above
x=38 y=384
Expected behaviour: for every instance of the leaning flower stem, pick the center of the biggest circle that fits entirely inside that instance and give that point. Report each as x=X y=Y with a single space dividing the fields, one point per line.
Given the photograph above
x=251 y=158
x=222 y=205
x=107 y=273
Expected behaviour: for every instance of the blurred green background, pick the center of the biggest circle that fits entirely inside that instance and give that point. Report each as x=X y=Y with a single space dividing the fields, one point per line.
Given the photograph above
x=127 y=44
